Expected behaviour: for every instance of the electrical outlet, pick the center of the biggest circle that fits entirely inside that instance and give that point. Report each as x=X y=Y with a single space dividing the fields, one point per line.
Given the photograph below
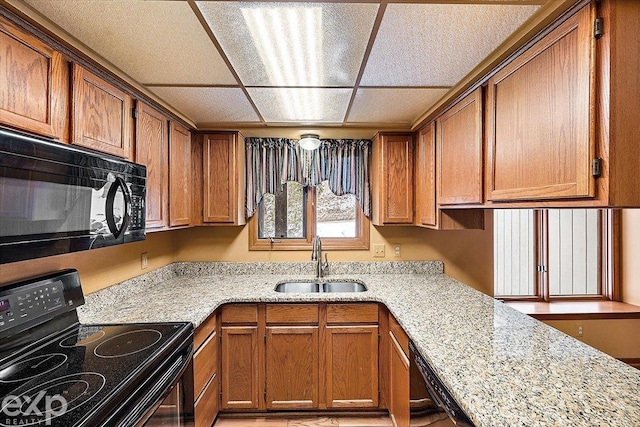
x=378 y=251
x=579 y=330
x=396 y=250
x=144 y=261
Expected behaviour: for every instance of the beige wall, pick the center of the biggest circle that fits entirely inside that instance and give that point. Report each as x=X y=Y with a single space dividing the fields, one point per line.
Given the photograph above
x=616 y=337
x=99 y=268
x=467 y=255
x=630 y=256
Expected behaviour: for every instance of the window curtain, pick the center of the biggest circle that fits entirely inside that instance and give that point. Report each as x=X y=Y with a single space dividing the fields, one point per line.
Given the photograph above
x=271 y=162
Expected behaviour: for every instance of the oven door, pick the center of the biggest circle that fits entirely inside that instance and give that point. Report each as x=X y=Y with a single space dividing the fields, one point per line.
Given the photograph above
x=176 y=410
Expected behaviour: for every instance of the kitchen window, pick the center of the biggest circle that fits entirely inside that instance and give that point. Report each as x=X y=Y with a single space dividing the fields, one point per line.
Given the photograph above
x=554 y=254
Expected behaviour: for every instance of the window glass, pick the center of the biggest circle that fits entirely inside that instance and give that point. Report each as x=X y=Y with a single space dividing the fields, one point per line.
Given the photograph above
x=283 y=215
x=335 y=215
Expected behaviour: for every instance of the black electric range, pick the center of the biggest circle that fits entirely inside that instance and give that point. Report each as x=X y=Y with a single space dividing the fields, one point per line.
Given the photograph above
x=55 y=371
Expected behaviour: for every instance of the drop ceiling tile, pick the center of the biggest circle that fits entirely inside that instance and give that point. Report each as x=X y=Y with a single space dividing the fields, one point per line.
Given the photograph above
x=158 y=42
x=438 y=44
x=378 y=105
x=309 y=105
x=292 y=44
x=208 y=104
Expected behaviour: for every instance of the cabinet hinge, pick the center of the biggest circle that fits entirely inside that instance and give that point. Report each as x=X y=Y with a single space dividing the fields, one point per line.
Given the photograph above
x=265 y=394
x=541 y=268
x=597 y=28
x=265 y=339
x=134 y=113
x=596 y=167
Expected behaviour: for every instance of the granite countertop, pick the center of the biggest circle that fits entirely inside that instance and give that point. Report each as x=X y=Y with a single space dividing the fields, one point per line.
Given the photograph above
x=504 y=368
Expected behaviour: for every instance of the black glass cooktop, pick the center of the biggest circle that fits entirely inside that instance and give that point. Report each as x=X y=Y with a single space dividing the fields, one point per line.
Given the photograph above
x=77 y=378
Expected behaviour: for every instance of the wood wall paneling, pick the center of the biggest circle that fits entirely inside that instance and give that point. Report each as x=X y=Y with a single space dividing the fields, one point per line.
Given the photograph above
x=101 y=114
x=152 y=150
x=180 y=176
x=34 y=84
x=459 y=144
x=540 y=118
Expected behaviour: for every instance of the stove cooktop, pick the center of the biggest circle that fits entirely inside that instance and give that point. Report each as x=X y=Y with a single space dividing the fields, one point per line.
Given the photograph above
x=77 y=377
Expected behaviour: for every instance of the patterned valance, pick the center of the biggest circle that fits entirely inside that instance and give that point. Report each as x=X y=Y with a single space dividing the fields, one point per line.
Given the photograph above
x=271 y=162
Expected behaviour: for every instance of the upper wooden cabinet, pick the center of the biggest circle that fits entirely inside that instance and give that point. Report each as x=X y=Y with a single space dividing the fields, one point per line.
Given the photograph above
x=425 y=182
x=539 y=116
x=179 y=175
x=34 y=84
x=392 y=179
x=101 y=114
x=459 y=146
x=224 y=178
x=152 y=150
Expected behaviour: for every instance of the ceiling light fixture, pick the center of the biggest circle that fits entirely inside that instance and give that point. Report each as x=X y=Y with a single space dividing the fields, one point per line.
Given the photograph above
x=309 y=141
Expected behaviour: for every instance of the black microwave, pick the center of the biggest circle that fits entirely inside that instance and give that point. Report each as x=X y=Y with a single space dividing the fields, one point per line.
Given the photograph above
x=55 y=199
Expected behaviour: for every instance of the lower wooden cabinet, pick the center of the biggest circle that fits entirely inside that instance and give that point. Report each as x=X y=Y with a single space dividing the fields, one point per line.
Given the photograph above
x=292 y=380
x=399 y=383
x=352 y=366
x=239 y=370
x=206 y=368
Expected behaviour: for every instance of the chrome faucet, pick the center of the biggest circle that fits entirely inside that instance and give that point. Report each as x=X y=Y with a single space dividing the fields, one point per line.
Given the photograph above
x=316 y=255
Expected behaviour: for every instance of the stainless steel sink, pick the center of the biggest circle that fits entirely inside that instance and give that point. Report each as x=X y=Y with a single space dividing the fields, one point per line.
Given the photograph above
x=298 y=287
x=343 y=287
x=317 y=287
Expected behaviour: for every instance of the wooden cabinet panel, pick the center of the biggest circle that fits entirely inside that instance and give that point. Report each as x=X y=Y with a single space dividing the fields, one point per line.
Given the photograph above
x=292 y=376
x=179 y=175
x=206 y=328
x=352 y=313
x=239 y=370
x=205 y=363
x=540 y=142
x=223 y=170
x=208 y=404
x=34 y=84
x=459 y=145
x=152 y=150
x=100 y=115
x=352 y=366
x=399 y=407
x=425 y=182
x=392 y=179
x=239 y=313
x=292 y=313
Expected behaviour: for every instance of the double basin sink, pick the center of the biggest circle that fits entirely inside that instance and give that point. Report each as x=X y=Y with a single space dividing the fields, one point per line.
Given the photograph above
x=319 y=287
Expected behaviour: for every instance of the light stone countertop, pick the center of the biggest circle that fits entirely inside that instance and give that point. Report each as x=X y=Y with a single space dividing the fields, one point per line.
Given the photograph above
x=504 y=368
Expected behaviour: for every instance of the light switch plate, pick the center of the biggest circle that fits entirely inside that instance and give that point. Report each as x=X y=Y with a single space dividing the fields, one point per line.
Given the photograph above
x=378 y=251
x=396 y=250
x=144 y=261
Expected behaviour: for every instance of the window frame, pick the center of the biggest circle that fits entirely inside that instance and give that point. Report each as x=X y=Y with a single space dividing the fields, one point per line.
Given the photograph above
x=608 y=261
x=360 y=242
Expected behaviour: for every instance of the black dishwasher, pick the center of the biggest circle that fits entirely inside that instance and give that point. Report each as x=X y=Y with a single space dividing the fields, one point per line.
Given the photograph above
x=442 y=409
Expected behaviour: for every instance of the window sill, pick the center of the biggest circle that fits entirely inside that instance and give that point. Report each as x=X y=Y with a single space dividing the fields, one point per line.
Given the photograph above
x=576 y=310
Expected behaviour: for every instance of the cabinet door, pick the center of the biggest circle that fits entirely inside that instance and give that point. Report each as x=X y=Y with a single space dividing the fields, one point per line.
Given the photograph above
x=392 y=179
x=239 y=370
x=540 y=142
x=292 y=354
x=179 y=175
x=459 y=132
x=223 y=169
x=34 y=84
x=425 y=183
x=352 y=366
x=100 y=115
x=152 y=150
x=399 y=383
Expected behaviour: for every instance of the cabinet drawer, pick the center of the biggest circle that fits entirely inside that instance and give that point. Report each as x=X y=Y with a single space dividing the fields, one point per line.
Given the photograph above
x=205 y=363
x=352 y=313
x=207 y=406
x=399 y=334
x=240 y=313
x=292 y=313
x=204 y=330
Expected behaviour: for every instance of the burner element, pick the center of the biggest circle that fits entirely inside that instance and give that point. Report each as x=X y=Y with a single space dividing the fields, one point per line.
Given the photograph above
x=51 y=399
x=84 y=336
x=128 y=343
x=32 y=367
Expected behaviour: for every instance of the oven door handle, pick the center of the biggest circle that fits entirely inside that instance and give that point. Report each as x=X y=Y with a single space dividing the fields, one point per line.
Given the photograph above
x=111 y=196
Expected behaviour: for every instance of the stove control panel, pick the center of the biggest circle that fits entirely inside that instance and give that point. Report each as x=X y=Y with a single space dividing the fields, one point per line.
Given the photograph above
x=28 y=303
